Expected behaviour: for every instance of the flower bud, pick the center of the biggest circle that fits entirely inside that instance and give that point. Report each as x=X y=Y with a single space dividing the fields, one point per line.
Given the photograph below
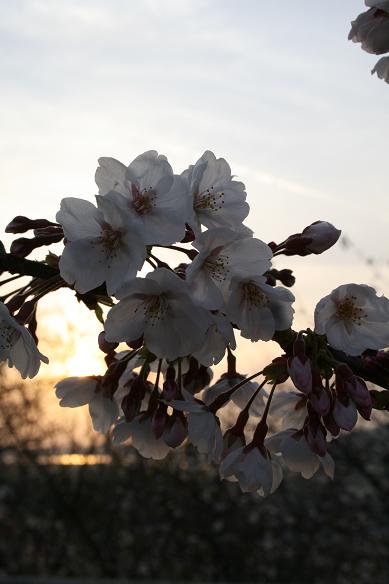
x=21 y=224
x=322 y=234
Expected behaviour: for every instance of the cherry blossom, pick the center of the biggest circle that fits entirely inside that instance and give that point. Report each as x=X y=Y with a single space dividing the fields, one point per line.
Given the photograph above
x=140 y=432
x=297 y=455
x=223 y=254
x=382 y=69
x=203 y=427
x=218 y=200
x=159 y=308
x=259 y=309
x=219 y=336
x=102 y=245
x=79 y=391
x=17 y=346
x=371 y=28
x=354 y=319
x=253 y=468
x=157 y=200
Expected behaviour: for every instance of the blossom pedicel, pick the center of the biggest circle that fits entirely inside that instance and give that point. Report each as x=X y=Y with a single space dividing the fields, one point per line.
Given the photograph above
x=178 y=321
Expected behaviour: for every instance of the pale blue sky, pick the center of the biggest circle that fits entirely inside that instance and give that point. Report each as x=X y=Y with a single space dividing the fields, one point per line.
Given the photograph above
x=274 y=87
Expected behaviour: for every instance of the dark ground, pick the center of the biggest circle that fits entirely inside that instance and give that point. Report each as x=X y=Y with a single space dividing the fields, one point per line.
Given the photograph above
x=175 y=520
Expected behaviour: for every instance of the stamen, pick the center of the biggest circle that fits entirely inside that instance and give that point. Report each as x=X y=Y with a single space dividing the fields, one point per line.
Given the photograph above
x=348 y=311
x=254 y=296
x=143 y=201
x=209 y=200
x=8 y=338
x=217 y=266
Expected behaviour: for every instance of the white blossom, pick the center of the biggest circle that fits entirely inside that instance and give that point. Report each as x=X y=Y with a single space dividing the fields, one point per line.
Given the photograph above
x=218 y=200
x=79 y=391
x=219 y=336
x=259 y=309
x=382 y=69
x=253 y=469
x=102 y=245
x=17 y=346
x=223 y=254
x=157 y=199
x=203 y=427
x=354 y=319
x=288 y=409
x=141 y=434
x=371 y=28
x=297 y=455
x=160 y=308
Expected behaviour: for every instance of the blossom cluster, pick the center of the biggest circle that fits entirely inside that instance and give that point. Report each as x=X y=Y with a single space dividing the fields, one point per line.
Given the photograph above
x=371 y=29
x=167 y=326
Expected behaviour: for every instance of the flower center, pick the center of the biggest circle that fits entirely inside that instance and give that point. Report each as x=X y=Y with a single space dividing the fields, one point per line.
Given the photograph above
x=208 y=200
x=155 y=309
x=254 y=296
x=348 y=310
x=143 y=201
x=110 y=238
x=217 y=265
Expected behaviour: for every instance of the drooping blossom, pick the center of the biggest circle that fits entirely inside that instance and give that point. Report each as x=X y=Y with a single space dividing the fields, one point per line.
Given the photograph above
x=79 y=391
x=219 y=336
x=102 y=245
x=217 y=199
x=297 y=455
x=288 y=409
x=253 y=468
x=382 y=69
x=17 y=346
x=159 y=308
x=224 y=254
x=157 y=200
x=371 y=28
x=203 y=427
x=259 y=309
x=141 y=434
x=354 y=319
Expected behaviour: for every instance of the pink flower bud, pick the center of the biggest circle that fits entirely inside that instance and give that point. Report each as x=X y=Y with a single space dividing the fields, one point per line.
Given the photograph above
x=300 y=373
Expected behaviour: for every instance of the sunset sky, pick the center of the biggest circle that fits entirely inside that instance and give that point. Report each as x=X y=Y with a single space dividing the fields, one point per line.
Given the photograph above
x=274 y=87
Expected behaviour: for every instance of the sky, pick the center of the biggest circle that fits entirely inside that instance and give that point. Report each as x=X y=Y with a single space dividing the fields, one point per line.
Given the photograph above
x=274 y=87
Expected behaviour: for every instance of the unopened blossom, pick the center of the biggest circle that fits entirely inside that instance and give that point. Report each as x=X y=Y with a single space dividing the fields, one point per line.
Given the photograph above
x=322 y=234
x=102 y=245
x=217 y=199
x=259 y=309
x=345 y=415
x=382 y=69
x=203 y=427
x=224 y=254
x=159 y=308
x=297 y=455
x=157 y=200
x=79 y=391
x=17 y=346
x=141 y=434
x=371 y=28
x=219 y=336
x=253 y=468
x=354 y=319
